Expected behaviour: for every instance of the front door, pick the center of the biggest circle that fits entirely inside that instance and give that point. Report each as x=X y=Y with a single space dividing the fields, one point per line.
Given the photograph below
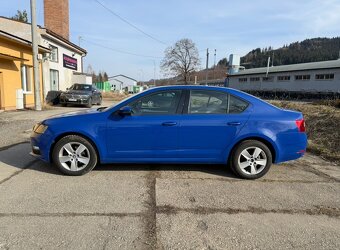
x=150 y=133
x=211 y=122
x=54 y=79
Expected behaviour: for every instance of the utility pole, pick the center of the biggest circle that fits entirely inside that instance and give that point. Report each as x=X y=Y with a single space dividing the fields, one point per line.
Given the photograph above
x=214 y=62
x=154 y=72
x=36 y=75
x=206 y=68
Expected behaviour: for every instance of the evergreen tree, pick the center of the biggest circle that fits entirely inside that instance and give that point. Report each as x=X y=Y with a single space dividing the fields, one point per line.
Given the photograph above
x=21 y=16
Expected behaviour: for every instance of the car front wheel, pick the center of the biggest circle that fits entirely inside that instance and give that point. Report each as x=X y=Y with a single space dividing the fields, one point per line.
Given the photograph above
x=89 y=104
x=251 y=159
x=74 y=155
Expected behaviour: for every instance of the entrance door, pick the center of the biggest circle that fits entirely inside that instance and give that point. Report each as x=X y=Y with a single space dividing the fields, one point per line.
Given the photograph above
x=54 y=79
x=1 y=90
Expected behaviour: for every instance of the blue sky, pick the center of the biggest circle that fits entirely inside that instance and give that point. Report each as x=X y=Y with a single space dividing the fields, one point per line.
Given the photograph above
x=227 y=26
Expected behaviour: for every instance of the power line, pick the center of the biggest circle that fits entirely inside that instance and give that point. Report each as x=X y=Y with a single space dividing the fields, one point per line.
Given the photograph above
x=127 y=22
x=117 y=50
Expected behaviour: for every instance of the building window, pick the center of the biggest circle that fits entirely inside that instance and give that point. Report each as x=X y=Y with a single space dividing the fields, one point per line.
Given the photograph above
x=302 y=77
x=283 y=78
x=324 y=76
x=26 y=78
x=243 y=79
x=54 y=54
x=267 y=78
x=254 y=79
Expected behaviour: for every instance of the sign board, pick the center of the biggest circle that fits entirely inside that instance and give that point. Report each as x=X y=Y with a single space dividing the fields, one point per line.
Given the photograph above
x=70 y=62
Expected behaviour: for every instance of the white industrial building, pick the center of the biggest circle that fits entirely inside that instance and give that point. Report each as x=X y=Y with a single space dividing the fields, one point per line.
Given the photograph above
x=322 y=77
x=120 y=82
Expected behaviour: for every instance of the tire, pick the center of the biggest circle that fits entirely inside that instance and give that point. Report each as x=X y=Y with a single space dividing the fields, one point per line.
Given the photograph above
x=89 y=104
x=67 y=159
x=100 y=101
x=251 y=159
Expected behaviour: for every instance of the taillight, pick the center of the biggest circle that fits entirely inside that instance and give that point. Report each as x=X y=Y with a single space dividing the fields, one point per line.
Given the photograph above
x=301 y=125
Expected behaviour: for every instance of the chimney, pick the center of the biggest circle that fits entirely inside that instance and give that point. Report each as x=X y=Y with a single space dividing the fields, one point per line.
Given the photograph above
x=56 y=17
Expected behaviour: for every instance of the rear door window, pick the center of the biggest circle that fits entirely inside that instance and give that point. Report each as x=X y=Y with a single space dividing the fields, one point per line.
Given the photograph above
x=214 y=102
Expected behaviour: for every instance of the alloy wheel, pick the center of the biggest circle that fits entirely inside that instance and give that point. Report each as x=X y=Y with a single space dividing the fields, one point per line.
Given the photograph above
x=252 y=160
x=74 y=156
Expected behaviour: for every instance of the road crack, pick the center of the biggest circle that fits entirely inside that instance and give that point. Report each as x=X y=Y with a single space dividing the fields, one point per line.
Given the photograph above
x=317 y=210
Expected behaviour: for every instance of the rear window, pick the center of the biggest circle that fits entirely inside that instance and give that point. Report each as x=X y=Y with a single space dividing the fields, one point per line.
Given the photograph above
x=236 y=105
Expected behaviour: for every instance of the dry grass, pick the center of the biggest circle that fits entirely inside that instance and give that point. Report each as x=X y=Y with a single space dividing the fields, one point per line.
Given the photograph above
x=115 y=96
x=322 y=122
x=333 y=103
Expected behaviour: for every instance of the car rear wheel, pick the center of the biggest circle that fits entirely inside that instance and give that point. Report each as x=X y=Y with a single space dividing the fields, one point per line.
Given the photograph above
x=74 y=155
x=251 y=159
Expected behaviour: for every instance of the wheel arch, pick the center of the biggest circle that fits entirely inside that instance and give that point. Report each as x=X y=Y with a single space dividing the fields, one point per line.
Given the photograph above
x=59 y=137
x=265 y=141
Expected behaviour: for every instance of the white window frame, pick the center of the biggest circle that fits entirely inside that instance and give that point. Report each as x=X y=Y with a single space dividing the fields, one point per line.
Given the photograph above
x=56 y=54
x=24 y=83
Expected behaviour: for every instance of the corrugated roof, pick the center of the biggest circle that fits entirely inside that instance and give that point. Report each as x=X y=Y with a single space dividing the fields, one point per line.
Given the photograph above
x=292 y=67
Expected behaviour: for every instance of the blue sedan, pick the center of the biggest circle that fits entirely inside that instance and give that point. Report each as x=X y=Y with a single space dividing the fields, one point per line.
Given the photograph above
x=175 y=124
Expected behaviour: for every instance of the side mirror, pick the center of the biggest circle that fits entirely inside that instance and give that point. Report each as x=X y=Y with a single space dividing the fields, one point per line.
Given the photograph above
x=124 y=111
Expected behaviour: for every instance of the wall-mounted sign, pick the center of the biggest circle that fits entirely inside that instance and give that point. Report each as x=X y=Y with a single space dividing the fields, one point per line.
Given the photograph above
x=70 y=62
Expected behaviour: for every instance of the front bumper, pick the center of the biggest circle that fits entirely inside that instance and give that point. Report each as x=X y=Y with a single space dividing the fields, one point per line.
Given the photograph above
x=81 y=101
x=40 y=145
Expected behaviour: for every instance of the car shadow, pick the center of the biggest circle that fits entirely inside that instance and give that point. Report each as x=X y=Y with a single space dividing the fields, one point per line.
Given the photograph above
x=213 y=169
x=17 y=156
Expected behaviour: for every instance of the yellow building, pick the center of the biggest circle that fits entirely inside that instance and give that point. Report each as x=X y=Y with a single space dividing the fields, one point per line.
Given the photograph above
x=16 y=71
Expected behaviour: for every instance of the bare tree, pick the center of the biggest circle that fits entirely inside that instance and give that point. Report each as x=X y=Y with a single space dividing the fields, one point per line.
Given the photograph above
x=181 y=59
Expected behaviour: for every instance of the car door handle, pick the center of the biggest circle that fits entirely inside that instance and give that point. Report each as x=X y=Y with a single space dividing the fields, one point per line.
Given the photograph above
x=234 y=123
x=169 y=124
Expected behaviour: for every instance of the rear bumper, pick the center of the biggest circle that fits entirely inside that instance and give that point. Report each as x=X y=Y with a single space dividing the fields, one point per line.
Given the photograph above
x=292 y=147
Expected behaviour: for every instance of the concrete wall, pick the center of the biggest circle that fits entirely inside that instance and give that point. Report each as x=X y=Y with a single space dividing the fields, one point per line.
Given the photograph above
x=81 y=78
x=311 y=85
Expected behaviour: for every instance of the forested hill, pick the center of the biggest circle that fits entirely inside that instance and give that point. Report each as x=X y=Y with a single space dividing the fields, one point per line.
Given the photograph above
x=309 y=50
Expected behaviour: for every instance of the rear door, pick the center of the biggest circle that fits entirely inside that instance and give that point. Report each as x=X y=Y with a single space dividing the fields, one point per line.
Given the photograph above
x=210 y=122
x=151 y=132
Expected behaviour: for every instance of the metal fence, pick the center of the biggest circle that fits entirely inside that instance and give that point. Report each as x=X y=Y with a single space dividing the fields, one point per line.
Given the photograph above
x=103 y=86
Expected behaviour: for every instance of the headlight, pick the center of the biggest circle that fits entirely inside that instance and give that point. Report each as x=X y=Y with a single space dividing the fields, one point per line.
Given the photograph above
x=39 y=128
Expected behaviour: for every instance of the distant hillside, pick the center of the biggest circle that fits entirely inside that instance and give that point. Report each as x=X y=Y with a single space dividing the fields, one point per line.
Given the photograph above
x=309 y=50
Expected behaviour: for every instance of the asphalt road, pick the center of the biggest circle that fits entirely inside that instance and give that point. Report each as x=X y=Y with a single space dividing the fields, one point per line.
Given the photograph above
x=296 y=205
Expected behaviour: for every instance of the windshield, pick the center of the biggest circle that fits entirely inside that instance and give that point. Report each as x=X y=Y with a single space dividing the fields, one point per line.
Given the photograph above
x=85 y=87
